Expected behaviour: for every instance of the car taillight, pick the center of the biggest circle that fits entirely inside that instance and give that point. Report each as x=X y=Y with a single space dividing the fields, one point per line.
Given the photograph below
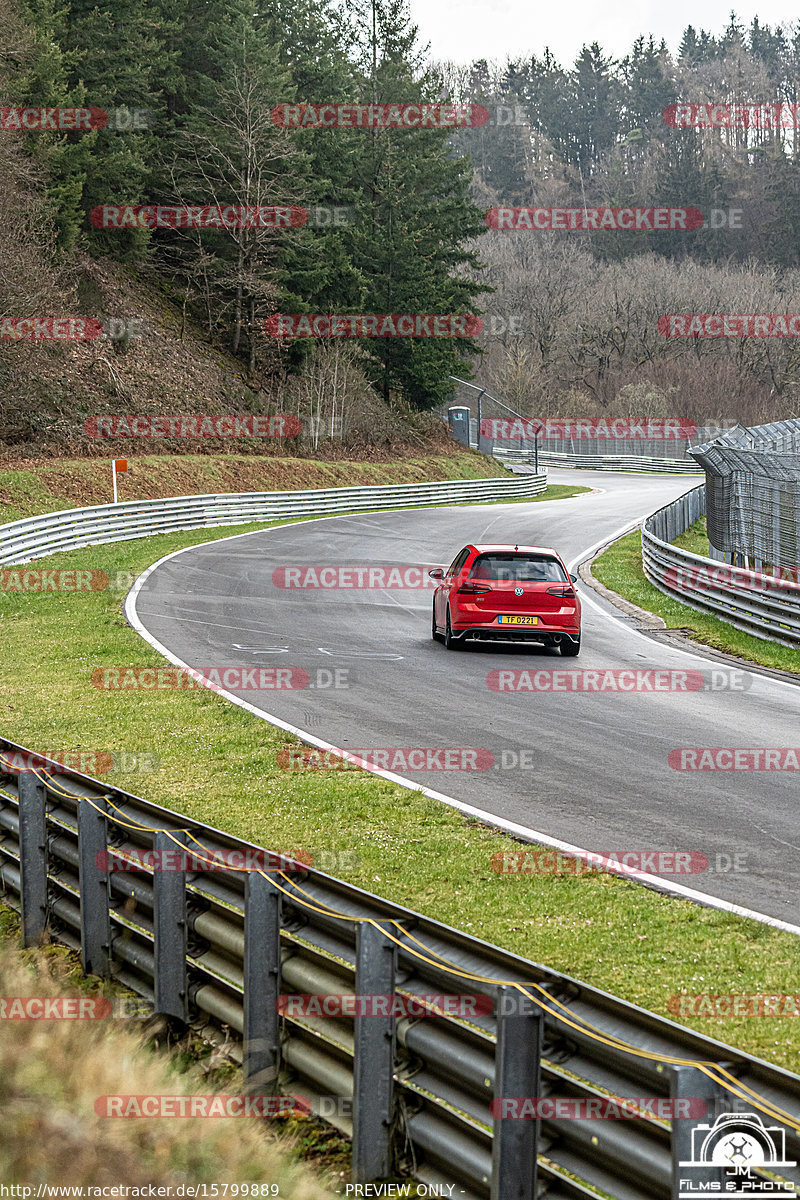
x=472 y=589
x=564 y=591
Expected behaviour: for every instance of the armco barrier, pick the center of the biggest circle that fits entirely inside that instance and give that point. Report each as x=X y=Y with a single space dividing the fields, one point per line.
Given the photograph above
x=414 y=1093
x=600 y=462
x=758 y=604
x=34 y=537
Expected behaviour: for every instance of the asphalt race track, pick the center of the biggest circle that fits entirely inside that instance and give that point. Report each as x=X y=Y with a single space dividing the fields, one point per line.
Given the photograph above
x=596 y=771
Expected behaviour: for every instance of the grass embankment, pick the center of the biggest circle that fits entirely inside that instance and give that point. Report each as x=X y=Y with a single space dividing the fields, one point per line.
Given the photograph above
x=52 y=1133
x=218 y=765
x=44 y=485
x=620 y=568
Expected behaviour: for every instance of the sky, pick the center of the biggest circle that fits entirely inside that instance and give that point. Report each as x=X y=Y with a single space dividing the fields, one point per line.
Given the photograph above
x=464 y=30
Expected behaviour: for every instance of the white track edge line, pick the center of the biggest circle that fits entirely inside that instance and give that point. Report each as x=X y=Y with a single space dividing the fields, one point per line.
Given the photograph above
x=523 y=832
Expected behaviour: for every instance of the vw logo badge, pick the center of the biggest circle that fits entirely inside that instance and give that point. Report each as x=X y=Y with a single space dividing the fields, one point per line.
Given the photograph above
x=517 y=591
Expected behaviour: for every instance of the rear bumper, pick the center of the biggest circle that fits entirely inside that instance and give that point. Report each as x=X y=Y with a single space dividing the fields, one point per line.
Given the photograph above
x=553 y=636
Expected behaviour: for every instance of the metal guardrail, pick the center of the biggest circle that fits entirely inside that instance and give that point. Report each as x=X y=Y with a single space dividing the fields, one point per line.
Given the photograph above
x=755 y=603
x=601 y=462
x=22 y=541
x=219 y=947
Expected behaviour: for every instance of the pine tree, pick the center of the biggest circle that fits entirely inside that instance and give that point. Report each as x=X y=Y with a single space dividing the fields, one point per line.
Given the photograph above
x=782 y=231
x=45 y=81
x=595 y=118
x=410 y=242
x=228 y=151
x=319 y=269
x=689 y=49
x=649 y=88
x=119 y=48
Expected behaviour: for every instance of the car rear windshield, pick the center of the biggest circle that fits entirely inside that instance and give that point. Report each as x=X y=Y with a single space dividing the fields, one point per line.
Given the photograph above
x=518 y=568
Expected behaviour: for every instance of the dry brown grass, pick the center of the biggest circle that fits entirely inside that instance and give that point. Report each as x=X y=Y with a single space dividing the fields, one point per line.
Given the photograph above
x=51 y=1073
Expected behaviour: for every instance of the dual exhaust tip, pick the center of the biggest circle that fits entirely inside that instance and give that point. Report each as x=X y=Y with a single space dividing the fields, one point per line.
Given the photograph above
x=550 y=639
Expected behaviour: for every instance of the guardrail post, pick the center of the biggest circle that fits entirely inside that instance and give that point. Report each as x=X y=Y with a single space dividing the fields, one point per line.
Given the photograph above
x=689 y=1083
x=32 y=856
x=373 y=1057
x=93 y=883
x=517 y=1073
x=262 y=970
x=170 y=927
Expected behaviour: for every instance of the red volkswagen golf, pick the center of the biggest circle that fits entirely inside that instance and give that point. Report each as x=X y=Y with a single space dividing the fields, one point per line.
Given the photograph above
x=507 y=593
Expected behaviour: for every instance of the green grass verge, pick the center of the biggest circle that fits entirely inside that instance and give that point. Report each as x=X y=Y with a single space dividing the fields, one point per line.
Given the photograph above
x=554 y=491
x=218 y=765
x=620 y=568
x=695 y=538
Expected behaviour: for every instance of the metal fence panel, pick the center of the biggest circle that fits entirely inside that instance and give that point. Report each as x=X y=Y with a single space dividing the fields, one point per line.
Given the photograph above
x=636 y=463
x=753 y=491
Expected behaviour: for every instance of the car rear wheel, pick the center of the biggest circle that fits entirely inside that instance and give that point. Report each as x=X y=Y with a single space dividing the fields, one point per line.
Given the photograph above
x=571 y=649
x=450 y=642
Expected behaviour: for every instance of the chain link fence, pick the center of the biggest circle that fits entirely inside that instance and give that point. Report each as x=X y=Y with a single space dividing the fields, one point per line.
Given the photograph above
x=590 y=443
x=753 y=494
x=604 y=446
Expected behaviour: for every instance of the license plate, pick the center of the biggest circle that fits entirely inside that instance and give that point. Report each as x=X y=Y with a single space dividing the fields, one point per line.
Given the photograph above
x=517 y=620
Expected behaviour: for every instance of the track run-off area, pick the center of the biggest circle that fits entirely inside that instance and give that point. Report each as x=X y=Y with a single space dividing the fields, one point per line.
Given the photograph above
x=594 y=768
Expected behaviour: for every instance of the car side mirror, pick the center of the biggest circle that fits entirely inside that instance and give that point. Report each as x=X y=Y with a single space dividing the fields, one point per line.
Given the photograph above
x=436 y=573
x=573 y=578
